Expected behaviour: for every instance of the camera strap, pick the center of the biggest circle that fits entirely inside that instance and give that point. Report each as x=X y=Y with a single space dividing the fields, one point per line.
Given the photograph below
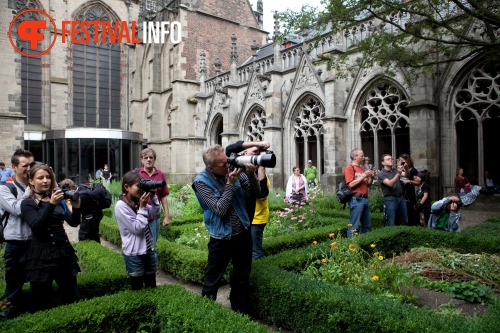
x=216 y=181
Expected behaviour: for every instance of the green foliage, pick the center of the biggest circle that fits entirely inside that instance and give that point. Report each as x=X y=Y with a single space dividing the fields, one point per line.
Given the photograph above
x=183 y=203
x=415 y=35
x=164 y=309
x=343 y=262
x=471 y=291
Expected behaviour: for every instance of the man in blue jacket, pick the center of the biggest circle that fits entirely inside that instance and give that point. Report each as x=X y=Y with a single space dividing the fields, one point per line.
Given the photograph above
x=221 y=195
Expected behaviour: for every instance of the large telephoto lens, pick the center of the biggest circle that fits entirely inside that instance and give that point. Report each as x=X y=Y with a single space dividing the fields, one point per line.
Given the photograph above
x=267 y=160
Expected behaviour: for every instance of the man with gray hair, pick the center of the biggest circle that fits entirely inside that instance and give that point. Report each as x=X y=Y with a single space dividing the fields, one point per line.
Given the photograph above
x=221 y=194
x=149 y=171
x=358 y=180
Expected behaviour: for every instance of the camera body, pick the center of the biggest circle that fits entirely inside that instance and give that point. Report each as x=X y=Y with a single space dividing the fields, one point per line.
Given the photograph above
x=268 y=160
x=148 y=185
x=69 y=193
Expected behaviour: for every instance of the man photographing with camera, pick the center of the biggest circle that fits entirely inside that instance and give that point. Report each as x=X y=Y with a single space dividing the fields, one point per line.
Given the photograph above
x=93 y=199
x=257 y=207
x=222 y=194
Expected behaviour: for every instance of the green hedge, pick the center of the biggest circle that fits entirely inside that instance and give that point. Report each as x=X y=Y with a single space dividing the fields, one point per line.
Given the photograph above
x=103 y=271
x=165 y=309
x=301 y=304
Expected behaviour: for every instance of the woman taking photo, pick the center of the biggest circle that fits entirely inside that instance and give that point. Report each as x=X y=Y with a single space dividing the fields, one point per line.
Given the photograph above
x=133 y=212
x=50 y=256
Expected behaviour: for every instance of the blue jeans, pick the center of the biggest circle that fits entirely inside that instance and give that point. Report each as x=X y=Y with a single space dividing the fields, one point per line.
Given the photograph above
x=395 y=205
x=15 y=274
x=140 y=265
x=238 y=249
x=360 y=214
x=257 y=235
x=155 y=229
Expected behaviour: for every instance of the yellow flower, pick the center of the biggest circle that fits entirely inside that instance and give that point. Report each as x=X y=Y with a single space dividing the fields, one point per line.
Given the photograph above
x=376 y=253
x=352 y=247
x=331 y=235
x=333 y=244
x=323 y=260
x=349 y=225
x=372 y=246
x=315 y=242
x=380 y=258
x=375 y=278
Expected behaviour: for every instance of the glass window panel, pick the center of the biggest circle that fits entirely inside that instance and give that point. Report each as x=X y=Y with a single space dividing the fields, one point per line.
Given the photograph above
x=87 y=160
x=73 y=160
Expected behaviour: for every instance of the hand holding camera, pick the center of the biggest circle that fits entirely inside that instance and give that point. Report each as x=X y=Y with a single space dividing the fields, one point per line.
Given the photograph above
x=57 y=196
x=143 y=201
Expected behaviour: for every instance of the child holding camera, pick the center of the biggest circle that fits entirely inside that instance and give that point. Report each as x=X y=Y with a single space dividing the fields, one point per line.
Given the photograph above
x=132 y=212
x=446 y=215
x=50 y=255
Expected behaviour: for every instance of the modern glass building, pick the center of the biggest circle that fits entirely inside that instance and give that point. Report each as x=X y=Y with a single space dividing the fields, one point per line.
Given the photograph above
x=77 y=153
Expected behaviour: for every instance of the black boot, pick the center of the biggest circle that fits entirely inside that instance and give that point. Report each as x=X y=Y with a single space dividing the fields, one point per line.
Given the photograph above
x=150 y=280
x=136 y=282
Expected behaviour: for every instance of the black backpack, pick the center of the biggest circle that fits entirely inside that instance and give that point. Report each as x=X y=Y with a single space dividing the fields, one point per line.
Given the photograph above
x=98 y=194
x=344 y=193
x=5 y=217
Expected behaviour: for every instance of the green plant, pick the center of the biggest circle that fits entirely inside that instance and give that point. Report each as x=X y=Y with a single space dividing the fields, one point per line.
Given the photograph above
x=346 y=263
x=295 y=217
x=471 y=291
x=197 y=238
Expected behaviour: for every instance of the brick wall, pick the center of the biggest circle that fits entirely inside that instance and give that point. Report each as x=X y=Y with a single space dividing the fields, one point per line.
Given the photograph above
x=213 y=34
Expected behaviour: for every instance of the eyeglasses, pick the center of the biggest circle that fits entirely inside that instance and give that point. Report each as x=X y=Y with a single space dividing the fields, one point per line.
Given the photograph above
x=220 y=165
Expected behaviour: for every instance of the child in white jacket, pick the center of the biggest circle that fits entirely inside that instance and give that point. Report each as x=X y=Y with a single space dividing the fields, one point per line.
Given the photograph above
x=133 y=214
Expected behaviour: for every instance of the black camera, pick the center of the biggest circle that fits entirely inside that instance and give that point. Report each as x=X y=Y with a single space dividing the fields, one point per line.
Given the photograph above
x=267 y=160
x=69 y=193
x=148 y=185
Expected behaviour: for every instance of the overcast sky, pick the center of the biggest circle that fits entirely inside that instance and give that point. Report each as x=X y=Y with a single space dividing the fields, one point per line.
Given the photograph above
x=280 y=5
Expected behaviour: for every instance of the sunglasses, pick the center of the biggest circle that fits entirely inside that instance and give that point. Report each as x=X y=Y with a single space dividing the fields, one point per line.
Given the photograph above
x=35 y=163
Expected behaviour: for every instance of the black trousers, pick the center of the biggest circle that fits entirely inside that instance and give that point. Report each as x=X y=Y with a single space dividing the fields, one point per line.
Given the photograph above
x=89 y=229
x=239 y=250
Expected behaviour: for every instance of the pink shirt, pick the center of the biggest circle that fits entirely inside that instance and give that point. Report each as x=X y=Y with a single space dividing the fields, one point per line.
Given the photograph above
x=157 y=175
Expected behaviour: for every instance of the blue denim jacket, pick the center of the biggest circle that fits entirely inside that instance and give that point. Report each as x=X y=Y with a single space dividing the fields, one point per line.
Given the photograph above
x=219 y=227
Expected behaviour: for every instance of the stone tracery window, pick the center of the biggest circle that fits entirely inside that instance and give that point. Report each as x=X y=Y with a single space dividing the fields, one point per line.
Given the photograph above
x=308 y=125
x=255 y=125
x=384 y=121
x=477 y=120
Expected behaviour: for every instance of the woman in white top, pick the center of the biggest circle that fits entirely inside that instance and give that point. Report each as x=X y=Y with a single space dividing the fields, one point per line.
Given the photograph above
x=296 y=188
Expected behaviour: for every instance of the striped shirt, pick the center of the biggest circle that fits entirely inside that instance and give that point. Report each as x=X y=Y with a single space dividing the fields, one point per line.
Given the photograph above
x=222 y=206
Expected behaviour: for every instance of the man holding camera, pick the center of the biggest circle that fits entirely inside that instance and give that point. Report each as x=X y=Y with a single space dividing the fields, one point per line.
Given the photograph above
x=258 y=207
x=17 y=233
x=93 y=199
x=221 y=194
x=394 y=200
x=149 y=171
x=358 y=180
x=446 y=215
